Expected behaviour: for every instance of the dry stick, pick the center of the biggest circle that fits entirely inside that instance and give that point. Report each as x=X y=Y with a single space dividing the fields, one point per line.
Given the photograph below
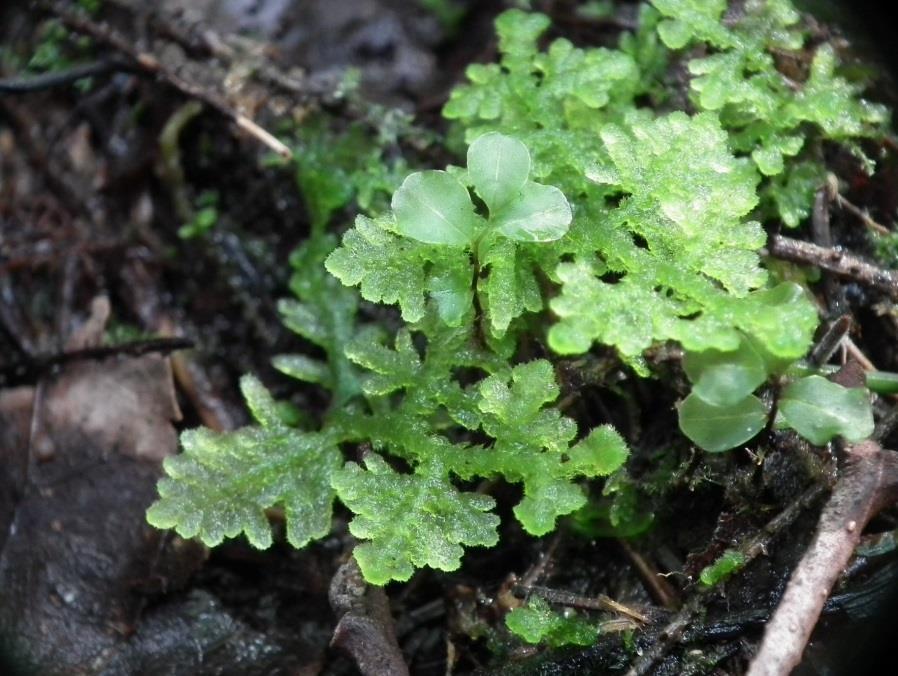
x=149 y=63
x=862 y=215
x=835 y=261
x=201 y=39
x=61 y=78
x=868 y=484
x=365 y=627
x=832 y=191
x=830 y=342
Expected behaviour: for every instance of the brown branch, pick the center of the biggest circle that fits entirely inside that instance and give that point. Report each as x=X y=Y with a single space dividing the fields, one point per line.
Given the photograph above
x=835 y=261
x=572 y=600
x=868 y=484
x=44 y=81
x=657 y=586
x=365 y=629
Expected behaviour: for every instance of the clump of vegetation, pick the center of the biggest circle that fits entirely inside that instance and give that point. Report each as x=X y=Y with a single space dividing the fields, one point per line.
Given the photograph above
x=581 y=218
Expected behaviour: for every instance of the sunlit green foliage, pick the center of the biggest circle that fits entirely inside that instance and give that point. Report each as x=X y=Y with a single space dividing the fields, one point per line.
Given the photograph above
x=661 y=244
x=436 y=245
x=333 y=167
x=411 y=520
x=221 y=485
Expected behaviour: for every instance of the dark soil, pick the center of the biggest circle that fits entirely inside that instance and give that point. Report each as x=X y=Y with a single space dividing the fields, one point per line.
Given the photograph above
x=89 y=246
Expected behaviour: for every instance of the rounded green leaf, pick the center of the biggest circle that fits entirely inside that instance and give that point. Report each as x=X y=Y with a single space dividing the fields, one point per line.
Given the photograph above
x=540 y=214
x=819 y=409
x=725 y=378
x=720 y=428
x=433 y=207
x=499 y=166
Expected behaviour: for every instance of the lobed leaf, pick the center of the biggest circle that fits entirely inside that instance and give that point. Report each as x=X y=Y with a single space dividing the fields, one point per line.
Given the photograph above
x=411 y=520
x=222 y=483
x=510 y=288
x=324 y=313
x=538 y=623
x=386 y=268
x=532 y=446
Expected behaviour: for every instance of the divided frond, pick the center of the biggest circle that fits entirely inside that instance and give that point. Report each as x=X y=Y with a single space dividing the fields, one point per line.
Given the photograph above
x=411 y=520
x=222 y=483
x=533 y=446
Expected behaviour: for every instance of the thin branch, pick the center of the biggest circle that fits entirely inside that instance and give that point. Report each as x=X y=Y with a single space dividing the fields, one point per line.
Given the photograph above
x=62 y=78
x=835 y=261
x=37 y=366
x=660 y=589
x=830 y=342
x=862 y=215
x=752 y=547
x=572 y=600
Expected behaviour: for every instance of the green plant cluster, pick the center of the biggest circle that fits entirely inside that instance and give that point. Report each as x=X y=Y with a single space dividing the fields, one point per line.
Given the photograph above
x=405 y=396
x=580 y=219
x=662 y=246
x=773 y=110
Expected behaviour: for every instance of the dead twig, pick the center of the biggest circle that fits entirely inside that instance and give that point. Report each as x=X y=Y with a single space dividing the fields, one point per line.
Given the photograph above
x=62 y=78
x=566 y=598
x=835 y=261
x=661 y=590
x=833 y=195
x=868 y=484
x=147 y=62
x=365 y=629
x=830 y=342
x=37 y=366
